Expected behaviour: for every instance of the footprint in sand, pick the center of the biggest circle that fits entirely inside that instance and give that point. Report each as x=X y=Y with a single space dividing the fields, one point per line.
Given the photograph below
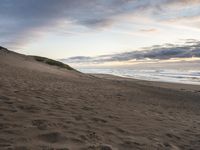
x=78 y=117
x=51 y=148
x=87 y=108
x=5 y=143
x=99 y=120
x=40 y=124
x=130 y=145
x=29 y=108
x=99 y=147
x=21 y=148
x=4 y=98
x=170 y=146
x=173 y=136
x=52 y=137
x=121 y=131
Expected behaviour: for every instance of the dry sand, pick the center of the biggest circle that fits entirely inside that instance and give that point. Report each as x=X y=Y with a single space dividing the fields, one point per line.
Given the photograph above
x=48 y=108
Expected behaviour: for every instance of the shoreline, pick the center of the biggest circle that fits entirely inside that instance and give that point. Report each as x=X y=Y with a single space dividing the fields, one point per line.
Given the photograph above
x=164 y=75
x=169 y=85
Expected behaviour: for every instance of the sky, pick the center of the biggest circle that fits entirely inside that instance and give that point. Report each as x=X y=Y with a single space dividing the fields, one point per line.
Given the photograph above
x=99 y=31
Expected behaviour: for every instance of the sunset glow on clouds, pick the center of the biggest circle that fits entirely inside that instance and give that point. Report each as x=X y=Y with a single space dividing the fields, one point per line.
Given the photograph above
x=168 y=53
x=65 y=28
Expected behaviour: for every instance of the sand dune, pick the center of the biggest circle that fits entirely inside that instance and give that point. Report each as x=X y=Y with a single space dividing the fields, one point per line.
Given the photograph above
x=45 y=107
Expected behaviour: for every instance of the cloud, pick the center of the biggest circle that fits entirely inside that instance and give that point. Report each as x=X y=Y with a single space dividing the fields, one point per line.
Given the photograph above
x=190 y=49
x=22 y=21
x=190 y=21
x=148 y=30
x=184 y=2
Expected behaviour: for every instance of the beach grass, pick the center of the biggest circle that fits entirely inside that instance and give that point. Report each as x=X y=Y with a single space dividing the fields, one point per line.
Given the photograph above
x=52 y=62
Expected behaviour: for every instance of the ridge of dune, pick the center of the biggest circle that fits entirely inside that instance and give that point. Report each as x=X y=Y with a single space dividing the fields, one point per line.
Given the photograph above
x=36 y=63
x=7 y=53
x=2 y=49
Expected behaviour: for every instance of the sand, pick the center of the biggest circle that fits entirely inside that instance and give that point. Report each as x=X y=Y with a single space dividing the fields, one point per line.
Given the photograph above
x=49 y=108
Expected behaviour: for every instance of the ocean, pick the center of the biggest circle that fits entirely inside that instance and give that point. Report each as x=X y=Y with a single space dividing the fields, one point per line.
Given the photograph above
x=164 y=75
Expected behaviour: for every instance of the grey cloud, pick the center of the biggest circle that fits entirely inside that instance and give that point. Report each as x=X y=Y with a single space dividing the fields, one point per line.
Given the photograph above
x=161 y=52
x=21 y=18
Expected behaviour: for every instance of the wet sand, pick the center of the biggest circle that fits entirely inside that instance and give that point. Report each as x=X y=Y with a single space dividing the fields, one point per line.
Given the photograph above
x=49 y=108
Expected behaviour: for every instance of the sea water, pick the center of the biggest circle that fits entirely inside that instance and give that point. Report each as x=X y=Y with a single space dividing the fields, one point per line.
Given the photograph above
x=164 y=75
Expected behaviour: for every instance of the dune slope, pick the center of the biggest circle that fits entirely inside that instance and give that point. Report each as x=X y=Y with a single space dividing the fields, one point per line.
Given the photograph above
x=46 y=107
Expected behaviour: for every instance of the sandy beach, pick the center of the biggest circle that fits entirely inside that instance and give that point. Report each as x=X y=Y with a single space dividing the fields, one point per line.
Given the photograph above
x=45 y=107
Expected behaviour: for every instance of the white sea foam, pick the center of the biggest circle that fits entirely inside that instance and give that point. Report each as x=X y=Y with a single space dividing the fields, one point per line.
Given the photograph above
x=165 y=75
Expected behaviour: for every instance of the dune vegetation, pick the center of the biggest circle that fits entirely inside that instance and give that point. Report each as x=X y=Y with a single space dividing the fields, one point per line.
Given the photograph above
x=52 y=62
